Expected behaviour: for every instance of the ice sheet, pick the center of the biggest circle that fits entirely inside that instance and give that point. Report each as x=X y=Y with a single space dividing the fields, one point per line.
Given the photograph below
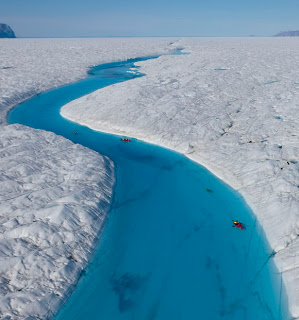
x=30 y=66
x=54 y=199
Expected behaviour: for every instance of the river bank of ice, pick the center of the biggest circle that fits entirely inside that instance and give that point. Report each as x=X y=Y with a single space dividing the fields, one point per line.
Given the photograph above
x=231 y=105
x=30 y=66
x=54 y=194
x=54 y=199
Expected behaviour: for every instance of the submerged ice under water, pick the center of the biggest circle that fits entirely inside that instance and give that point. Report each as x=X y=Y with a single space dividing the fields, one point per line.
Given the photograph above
x=169 y=250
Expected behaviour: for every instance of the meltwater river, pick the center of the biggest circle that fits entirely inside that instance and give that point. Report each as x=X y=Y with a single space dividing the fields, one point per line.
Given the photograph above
x=168 y=251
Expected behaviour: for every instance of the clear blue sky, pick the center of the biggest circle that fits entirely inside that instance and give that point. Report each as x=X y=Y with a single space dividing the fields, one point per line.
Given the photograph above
x=99 y=18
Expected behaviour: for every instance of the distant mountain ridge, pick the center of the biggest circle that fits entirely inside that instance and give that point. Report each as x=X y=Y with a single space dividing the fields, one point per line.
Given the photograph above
x=6 y=31
x=288 y=34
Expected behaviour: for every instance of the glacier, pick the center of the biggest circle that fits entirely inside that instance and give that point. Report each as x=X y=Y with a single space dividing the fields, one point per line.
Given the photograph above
x=232 y=106
x=46 y=178
x=31 y=66
x=55 y=197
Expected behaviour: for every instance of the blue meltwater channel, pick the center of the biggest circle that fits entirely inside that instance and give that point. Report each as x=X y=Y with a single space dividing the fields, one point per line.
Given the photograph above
x=168 y=251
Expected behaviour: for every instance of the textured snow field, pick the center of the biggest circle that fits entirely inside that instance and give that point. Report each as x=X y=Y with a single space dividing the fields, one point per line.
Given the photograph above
x=54 y=198
x=232 y=105
x=54 y=195
x=30 y=66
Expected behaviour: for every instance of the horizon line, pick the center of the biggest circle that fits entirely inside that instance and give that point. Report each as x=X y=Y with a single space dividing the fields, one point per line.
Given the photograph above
x=151 y=36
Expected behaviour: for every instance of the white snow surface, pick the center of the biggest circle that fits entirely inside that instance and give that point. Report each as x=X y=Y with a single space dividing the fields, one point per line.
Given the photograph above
x=240 y=121
x=30 y=66
x=54 y=195
x=54 y=199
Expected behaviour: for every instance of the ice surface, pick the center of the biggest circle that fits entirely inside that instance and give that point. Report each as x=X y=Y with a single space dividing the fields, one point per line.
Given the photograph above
x=30 y=66
x=231 y=105
x=54 y=198
x=54 y=195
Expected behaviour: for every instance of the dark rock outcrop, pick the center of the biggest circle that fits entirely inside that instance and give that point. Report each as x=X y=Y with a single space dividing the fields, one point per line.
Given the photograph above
x=288 y=34
x=6 y=31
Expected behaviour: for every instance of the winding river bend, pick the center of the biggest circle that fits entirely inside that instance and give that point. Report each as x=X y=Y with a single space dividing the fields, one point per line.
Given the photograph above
x=168 y=250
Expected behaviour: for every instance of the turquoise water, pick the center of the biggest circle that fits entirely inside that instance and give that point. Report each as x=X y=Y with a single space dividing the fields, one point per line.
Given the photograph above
x=221 y=69
x=169 y=250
